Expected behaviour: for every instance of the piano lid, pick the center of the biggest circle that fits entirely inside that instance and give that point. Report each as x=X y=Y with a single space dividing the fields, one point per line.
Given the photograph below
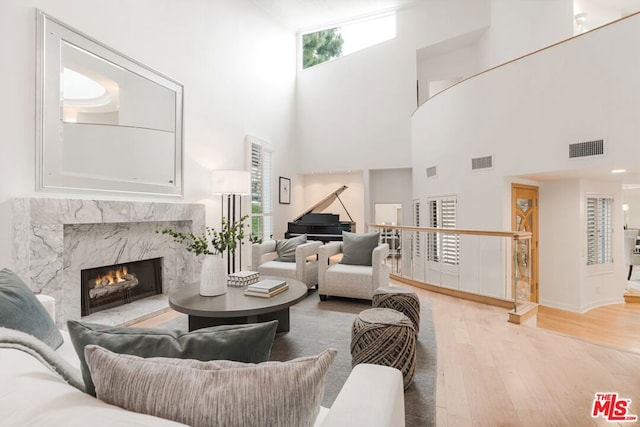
x=325 y=203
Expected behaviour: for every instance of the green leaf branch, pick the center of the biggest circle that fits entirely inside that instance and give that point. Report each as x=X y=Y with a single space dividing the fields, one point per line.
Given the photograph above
x=211 y=242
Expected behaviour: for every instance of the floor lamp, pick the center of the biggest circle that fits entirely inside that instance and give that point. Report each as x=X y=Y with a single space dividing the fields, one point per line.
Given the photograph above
x=231 y=185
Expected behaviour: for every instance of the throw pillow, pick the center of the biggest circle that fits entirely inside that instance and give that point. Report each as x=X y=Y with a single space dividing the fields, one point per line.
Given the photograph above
x=215 y=393
x=357 y=248
x=244 y=343
x=286 y=249
x=21 y=310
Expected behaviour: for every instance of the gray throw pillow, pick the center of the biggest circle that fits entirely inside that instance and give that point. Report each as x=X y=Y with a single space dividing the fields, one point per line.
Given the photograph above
x=243 y=343
x=357 y=248
x=21 y=310
x=286 y=249
x=215 y=393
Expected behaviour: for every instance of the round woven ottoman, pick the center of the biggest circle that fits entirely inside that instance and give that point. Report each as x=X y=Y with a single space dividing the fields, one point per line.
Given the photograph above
x=404 y=300
x=383 y=336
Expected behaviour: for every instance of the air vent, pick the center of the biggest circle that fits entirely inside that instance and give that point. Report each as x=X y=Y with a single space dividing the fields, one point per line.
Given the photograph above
x=431 y=171
x=586 y=149
x=482 y=163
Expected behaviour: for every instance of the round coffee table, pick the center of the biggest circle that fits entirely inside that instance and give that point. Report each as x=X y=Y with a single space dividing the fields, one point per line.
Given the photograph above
x=235 y=307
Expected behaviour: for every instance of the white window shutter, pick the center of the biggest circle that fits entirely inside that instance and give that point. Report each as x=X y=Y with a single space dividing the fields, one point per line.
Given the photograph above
x=261 y=189
x=599 y=218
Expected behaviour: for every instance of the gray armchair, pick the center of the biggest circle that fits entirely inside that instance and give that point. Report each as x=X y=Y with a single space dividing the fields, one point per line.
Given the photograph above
x=304 y=269
x=354 y=281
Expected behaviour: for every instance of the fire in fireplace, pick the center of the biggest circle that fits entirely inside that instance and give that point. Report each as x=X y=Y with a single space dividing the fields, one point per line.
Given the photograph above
x=110 y=286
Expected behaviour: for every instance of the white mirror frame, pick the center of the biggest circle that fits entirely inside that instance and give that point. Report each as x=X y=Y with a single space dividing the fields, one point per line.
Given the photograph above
x=49 y=136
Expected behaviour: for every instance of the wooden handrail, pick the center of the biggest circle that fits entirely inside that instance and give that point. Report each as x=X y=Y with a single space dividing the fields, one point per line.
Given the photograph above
x=515 y=235
x=524 y=56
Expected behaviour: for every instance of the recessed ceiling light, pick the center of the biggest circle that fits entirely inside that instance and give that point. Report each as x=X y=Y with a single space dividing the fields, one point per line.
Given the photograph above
x=618 y=171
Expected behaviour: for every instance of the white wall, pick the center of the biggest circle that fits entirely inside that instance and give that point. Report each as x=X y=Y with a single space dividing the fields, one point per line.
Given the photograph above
x=236 y=64
x=436 y=73
x=519 y=27
x=525 y=114
x=391 y=186
x=387 y=213
x=354 y=112
x=632 y=216
x=597 y=13
x=560 y=244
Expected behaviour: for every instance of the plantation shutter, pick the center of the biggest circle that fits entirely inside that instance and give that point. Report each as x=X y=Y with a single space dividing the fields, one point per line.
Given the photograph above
x=591 y=231
x=450 y=242
x=416 y=221
x=599 y=230
x=267 y=193
x=432 y=240
x=261 y=190
x=444 y=248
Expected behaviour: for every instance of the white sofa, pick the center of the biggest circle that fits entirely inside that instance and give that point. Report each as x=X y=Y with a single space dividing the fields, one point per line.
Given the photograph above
x=32 y=395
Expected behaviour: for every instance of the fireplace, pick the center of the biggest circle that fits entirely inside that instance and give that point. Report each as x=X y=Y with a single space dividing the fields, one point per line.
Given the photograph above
x=114 y=285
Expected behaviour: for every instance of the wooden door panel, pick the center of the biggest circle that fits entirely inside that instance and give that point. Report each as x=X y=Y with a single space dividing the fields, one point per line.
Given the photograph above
x=524 y=217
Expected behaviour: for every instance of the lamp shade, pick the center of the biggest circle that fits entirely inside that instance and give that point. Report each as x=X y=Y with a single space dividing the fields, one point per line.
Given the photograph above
x=230 y=182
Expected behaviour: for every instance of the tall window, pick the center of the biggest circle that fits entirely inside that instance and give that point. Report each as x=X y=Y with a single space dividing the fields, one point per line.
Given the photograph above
x=443 y=248
x=599 y=230
x=324 y=45
x=261 y=189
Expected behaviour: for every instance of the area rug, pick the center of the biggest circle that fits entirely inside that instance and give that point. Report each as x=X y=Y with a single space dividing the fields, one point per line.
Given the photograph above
x=317 y=325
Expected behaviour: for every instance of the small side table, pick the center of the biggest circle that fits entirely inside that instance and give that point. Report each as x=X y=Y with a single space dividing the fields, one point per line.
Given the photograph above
x=383 y=336
x=404 y=300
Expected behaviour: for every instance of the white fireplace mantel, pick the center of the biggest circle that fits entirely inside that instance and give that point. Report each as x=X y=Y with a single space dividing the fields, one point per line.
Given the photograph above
x=54 y=239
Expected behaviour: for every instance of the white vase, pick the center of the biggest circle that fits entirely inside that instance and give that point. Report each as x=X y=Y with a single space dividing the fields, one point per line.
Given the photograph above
x=213 y=276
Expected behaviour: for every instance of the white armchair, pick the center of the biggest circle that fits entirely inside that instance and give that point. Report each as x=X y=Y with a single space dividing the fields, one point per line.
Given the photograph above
x=304 y=269
x=354 y=281
x=631 y=257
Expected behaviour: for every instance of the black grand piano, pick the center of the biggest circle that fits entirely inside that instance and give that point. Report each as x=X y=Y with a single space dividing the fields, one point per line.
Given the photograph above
x=316 y=225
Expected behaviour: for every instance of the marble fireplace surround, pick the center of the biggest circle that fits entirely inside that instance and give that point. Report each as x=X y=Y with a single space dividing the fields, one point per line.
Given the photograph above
x=54 y=239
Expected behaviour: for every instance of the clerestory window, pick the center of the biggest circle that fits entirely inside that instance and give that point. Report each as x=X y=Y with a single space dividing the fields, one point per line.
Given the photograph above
x=325 y=45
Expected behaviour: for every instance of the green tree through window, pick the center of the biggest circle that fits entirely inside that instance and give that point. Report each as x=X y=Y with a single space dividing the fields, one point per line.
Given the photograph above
x=321 y=46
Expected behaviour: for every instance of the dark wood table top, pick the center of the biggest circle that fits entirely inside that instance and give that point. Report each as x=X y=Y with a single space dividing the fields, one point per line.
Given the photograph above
x=235 y=303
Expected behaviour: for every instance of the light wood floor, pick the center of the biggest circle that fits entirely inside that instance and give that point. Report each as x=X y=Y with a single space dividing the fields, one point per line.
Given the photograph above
x=494 y=373
x=615 y=325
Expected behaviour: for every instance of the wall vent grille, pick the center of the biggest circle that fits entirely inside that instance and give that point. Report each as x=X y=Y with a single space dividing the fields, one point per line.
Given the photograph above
x=431 y=171
x=586 y=149
x=482 y=163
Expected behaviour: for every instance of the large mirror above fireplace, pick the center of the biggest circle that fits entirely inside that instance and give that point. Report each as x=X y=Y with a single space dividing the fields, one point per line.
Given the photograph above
x=105 y=122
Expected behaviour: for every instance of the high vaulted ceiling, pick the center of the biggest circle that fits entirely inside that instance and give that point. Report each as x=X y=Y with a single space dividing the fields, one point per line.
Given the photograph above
x=307 y=15
x=300 y=15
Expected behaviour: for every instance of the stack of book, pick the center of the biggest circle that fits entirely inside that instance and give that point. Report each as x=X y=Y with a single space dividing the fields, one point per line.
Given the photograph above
x=242 y=278
x=266 y=288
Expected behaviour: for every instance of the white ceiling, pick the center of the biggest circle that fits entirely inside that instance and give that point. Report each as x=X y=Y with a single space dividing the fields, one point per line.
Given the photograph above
x=624 y=5
x=601 y=12
x=300 y=15
x=304 y=15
